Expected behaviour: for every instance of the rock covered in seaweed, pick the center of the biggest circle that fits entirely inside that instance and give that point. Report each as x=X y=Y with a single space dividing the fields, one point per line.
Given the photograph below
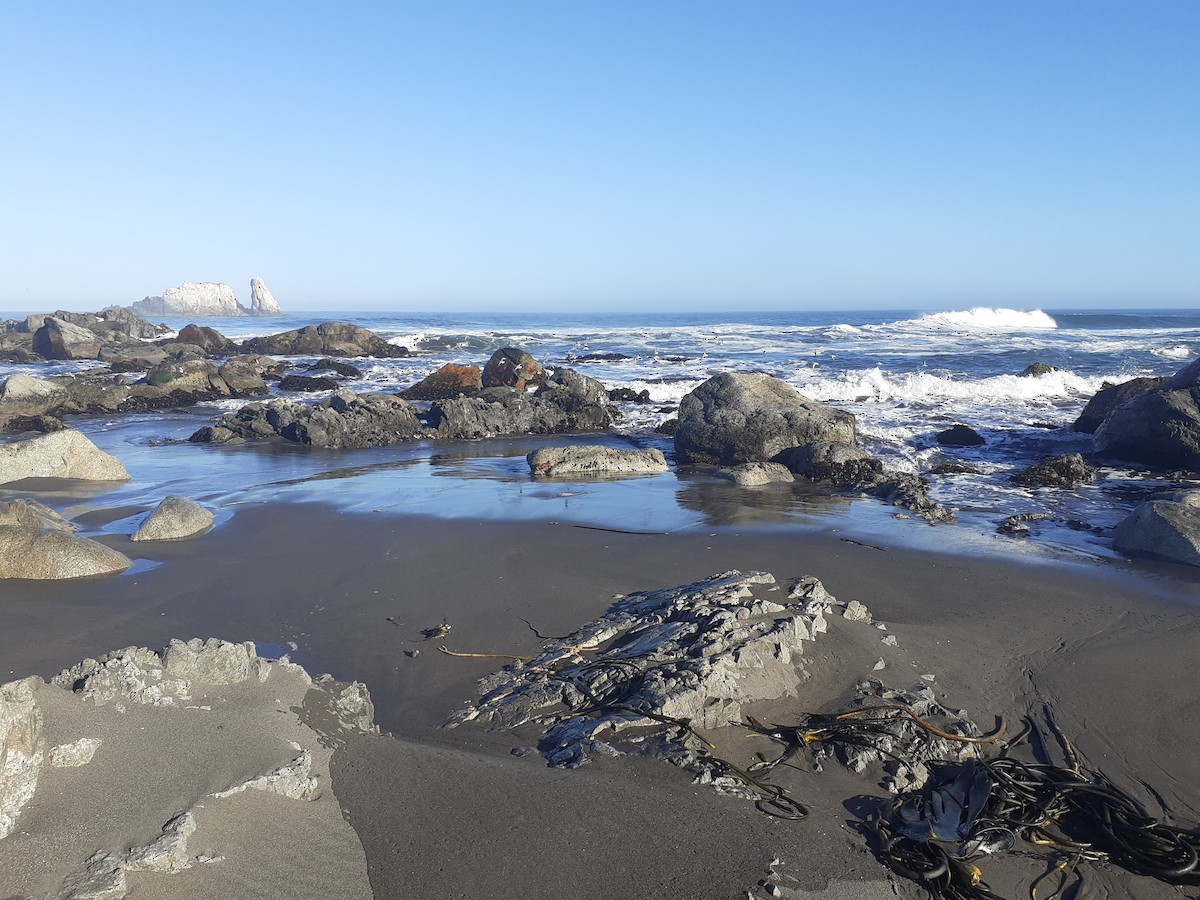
x=1066 y=471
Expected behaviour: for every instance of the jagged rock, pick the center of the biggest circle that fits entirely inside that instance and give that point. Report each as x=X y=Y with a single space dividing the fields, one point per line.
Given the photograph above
x=446 y=383
x=700 y=652
x=512 y=367
x=1067 y=471
x=344 y=420
x=1159 y=427
x=1018 y=525
x=126 y=321
x=910 y=492
x=340 y=368
x=856 y=611
x=308 y=383
x=75 y=754
x=58 y=339
x=1038 y=369
x=583 y=400
x=21 y=750
x=567 y=402
x=1108 y=398
x=749 y=474
x=207 y=339
x=262 y=301
x=959 y=436
x=192 y=298
x=62 y=454
x=213 y=661
x=175 y=518
x=326 y=339
x=1163 y=529
x=735 y=418
x=595 y=460
x=50 y=553
x=294 y=781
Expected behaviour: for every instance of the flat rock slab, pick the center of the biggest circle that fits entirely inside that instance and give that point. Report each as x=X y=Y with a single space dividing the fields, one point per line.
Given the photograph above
x=175 y=519
x=750 y=474
x=595 y=460
x=60 y=454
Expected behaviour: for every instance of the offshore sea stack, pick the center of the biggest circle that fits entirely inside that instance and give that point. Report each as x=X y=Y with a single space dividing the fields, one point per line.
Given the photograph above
x=209 y=299
x=1157 y=427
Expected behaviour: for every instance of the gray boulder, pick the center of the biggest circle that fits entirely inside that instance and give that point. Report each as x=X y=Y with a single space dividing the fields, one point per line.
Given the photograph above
x=60 y=454
x=209 y=340
x=513 y=367
x=213 y=661
x=595 y=460
x=326 y=339
x=1159 y=428
x=735 y=418
x=750 y=474
x=832 y=461
x=131 y=357
x=1163 y=529
x=21 y=749
x=583 y=400
x=54 y=553
x=58 y=339
x=32 y=514
x=19 y=388
x=174 y=519
x=450 y=381
x=1067 y=471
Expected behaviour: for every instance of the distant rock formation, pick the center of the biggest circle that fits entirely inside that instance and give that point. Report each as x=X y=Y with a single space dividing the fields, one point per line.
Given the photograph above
x=262 y=301
x=211 y=299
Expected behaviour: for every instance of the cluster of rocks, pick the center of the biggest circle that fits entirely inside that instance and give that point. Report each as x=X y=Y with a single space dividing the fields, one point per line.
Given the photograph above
x=38 y=543
x=206 y=298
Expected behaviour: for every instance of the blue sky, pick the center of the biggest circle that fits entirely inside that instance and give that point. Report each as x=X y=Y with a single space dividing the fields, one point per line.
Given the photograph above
x=603 y=156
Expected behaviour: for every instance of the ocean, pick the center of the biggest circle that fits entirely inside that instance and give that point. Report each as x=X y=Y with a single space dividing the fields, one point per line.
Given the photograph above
x=904 y=375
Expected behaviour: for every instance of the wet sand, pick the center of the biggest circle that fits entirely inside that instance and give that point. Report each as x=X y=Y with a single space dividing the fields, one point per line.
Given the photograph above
x=454 y=813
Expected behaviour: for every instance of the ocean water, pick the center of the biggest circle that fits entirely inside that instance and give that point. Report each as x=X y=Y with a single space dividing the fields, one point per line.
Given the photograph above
x=905 y=377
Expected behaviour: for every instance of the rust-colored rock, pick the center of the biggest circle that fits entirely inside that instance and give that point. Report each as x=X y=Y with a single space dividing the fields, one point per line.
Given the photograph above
x=447 y=383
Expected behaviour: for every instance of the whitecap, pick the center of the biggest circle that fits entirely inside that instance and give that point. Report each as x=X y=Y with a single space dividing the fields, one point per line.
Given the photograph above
x=986 y=318
x=1179 y=352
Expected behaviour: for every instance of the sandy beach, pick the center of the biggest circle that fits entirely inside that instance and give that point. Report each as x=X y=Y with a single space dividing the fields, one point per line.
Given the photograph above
x=472 y=812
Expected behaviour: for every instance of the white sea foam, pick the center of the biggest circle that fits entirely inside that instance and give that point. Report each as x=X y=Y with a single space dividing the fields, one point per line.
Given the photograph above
x=988 y=319
x=925 y=388
x=1179 y=352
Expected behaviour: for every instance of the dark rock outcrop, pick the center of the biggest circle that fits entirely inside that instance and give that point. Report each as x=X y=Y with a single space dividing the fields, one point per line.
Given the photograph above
x=1159 y=427
x=338 y=368
x=1067 y=471
x=308 y=383
x=959 y=435
x=446 y=383
x=513 y=367
x=629 y=395
x=346 y=420
x=59 y=339
x=326 y=339
x=735 y=418
x=1107 y=398
x=1037 y=369
x=207 y=339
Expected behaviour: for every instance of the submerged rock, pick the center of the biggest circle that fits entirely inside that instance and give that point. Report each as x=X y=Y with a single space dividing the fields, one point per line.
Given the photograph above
x=595 y=460
x=1067 y=471
x=174 y=519
x=60 y=454
x=1163 y=529
x=959 y=436
x=735 y=418
x=751 y=474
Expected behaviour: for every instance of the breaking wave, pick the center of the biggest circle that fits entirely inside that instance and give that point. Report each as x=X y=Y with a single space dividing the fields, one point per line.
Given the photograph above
x=987 y=318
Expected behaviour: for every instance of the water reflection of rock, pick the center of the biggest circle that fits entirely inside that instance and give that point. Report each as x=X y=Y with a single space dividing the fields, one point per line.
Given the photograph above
x=722 y=502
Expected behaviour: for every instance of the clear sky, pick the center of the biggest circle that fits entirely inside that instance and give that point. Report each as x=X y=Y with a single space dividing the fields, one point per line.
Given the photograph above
x=610 y=155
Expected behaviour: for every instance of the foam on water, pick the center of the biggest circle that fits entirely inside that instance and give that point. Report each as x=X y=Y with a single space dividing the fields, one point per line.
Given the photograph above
x=987 y=318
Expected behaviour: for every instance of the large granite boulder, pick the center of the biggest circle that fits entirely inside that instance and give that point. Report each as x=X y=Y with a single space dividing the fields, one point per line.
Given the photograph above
x=54 y=553
x=174 y=519
x=1109 y=397
x=60 y=454
x=1159 y=427
x=262 y=301
x=446 y=383
x=345 y=420
x=192 y=298
x=19 y=388
x=1163 y=529
x=326 y=339
x=31 y=514
x=735 y=418
x=59 y=339
x=558 y=462
x=512 y=367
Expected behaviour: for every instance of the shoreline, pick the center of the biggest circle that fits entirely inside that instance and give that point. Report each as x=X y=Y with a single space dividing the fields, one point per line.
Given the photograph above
x=999 y=638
